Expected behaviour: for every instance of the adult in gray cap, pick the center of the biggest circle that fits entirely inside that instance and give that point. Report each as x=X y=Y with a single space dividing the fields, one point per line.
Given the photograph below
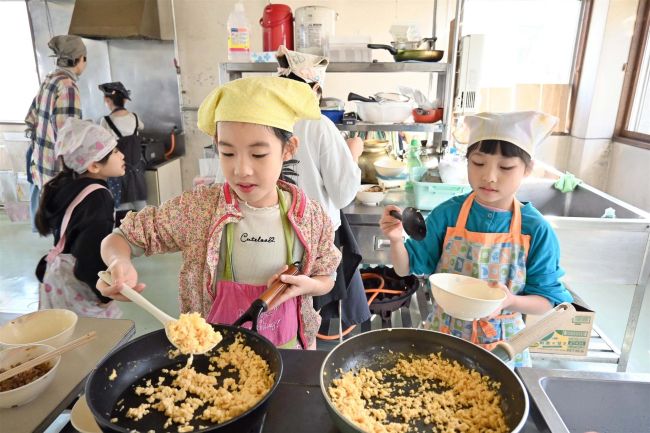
x=57 y=99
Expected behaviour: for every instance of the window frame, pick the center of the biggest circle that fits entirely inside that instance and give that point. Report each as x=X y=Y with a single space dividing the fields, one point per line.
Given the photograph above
x=632 y=67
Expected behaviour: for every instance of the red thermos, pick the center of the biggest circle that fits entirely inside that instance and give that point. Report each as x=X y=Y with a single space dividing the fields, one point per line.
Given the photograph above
x=277 y=25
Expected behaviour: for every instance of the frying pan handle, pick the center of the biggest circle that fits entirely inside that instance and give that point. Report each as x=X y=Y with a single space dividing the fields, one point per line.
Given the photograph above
x=356 y=97
x=390 y=48
x=278 y=287
x=554 y=319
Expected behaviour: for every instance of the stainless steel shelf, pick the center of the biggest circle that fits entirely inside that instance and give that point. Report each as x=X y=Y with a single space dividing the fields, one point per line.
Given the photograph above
x=416 y=127
x=352 y=67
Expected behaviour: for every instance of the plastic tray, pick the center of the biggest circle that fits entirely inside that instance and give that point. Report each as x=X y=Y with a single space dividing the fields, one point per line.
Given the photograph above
x=429 y=195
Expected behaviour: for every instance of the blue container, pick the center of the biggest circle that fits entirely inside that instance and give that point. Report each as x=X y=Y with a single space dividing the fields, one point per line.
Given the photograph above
x=335 y=116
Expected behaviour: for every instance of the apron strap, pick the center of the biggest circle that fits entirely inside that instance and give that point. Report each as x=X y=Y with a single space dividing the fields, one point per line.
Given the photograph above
x=464 y=211
x=289 y=238
x=60 y=246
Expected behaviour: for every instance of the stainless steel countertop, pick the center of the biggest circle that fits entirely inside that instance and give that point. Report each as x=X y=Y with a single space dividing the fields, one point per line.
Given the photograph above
x=70 y=376
x=362 y=214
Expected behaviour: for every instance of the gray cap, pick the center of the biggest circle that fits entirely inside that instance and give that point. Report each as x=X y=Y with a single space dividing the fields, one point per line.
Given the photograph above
x=67 y=47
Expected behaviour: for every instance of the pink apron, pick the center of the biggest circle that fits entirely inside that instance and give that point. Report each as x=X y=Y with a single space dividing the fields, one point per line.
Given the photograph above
x=499 y=257
x=279 y=325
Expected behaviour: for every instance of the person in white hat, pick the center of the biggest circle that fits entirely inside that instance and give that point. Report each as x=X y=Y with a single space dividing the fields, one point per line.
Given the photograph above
x=489 y=234
x=328 y=171
x=76 y=207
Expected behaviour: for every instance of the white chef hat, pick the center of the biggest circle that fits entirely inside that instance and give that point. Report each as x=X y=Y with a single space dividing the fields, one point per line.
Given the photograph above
x=524 y=129
x=80 y=143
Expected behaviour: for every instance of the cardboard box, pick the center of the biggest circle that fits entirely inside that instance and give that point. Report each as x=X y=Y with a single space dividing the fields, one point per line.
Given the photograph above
x=572 y=339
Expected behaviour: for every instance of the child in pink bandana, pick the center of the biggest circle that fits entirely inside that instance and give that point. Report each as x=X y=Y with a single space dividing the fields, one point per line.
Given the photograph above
x=77 y=209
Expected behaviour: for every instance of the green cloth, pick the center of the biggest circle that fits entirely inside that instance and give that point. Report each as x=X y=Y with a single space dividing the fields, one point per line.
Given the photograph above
x=567 y=183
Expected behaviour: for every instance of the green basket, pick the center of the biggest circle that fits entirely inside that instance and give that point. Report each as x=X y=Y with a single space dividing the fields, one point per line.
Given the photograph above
x=429 y=194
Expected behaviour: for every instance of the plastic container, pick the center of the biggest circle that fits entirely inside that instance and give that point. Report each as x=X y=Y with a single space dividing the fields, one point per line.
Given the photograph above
x=277 y=27
x=349 y=49
x=239 y=35
x=428 y=195
x=335 y=116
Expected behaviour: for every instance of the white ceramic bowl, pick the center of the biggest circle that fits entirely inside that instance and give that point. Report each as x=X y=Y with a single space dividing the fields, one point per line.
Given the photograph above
x=465 y=297
x=52 y=327
x=28 y=392
x=389 y=167
x=369 y=197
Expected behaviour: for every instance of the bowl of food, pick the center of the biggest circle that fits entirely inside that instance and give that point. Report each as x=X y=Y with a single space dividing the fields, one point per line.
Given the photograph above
x=370 y=194
x=465 y=297
x=25 y=386
x=421 y=115
x=52 y=327
x=389 y=167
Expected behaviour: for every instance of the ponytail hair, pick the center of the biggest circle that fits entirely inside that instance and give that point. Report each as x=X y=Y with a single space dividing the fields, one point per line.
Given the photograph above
x=66 y=176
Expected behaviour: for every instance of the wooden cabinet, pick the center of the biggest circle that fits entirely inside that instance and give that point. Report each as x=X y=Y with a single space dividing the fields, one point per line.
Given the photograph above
x=164 y=181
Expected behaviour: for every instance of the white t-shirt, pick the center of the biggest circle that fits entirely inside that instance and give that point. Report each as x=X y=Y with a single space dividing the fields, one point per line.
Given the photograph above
x=124 y=124
x=326 y=171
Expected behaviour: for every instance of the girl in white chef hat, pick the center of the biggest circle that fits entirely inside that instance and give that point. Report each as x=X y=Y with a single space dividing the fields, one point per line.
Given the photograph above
x=77 y=208
x=489 y=234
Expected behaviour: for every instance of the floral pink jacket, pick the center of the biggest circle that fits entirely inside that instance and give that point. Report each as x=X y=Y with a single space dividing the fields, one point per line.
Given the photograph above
x=193 y=223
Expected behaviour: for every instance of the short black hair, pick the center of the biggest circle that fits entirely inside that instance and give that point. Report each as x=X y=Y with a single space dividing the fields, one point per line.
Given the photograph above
x=117 y=98
x=505 y=148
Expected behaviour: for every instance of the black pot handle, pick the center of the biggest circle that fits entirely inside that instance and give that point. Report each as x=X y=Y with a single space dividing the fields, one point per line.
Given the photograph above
x=390 y=48
x=356 y=97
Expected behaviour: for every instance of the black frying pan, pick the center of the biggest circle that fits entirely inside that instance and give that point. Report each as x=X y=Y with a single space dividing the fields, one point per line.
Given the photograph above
x=415 y=54
x=373 y=350
x=147 y=356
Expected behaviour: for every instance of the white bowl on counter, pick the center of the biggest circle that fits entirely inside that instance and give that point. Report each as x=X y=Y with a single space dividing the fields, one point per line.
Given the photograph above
x=465 y=297
x=384 y=112
x=14 y=356
x=53 y=327
x=389 y=167
x=370 y=198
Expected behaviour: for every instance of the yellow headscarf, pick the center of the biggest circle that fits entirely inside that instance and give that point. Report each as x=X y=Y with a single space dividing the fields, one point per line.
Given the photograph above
x=272 y=101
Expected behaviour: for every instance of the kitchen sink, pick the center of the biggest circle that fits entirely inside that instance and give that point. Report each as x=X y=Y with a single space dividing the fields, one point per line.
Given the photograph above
x=581 y=401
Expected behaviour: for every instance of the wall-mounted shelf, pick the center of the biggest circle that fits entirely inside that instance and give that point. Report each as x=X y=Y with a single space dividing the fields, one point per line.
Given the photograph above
x=415 y=127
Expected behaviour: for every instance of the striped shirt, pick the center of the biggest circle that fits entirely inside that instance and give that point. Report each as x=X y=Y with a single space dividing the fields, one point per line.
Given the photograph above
x=57 y=99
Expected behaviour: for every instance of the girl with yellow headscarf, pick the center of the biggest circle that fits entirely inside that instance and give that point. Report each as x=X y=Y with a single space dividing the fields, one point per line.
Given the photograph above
x=237 y=237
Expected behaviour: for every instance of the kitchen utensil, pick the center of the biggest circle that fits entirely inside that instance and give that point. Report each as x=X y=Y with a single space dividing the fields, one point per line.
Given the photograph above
x=412 y=221
x=332 y=104
x=465 y=297
x=386 y=112
x=52 y=327
x=47 y=356
x=422 y=44
x=150 y=308
x=379 y=97
x=389 y=167
x=29 y=391
x=371 y=198
x=147 y=356
x=382 y=348
x=421 y=115
x=262 y=303
x=405 y=55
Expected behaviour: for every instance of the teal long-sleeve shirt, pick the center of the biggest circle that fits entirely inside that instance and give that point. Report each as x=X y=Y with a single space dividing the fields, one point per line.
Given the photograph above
x=543 y=271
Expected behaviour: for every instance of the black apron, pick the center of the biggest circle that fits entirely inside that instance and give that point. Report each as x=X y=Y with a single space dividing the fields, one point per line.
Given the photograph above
x=133 y=186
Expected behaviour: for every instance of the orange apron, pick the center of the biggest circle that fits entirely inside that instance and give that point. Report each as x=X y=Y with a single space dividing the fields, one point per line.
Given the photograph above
x=498 y=257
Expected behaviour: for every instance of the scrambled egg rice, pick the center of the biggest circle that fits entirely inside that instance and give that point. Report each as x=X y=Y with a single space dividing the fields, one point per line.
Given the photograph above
x=432 y=391
x=197 y=395
x=192 y=334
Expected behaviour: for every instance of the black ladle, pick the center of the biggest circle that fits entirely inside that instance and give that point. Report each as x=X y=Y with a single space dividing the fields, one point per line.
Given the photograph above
x=412 y=221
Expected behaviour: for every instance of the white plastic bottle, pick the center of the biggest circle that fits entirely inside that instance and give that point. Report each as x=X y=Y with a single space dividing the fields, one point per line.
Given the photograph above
x=239 y=35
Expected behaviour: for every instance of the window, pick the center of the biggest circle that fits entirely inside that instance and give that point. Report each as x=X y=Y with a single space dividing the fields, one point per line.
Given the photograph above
x=633 y=122
x=531 y=52
x=18 y=76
